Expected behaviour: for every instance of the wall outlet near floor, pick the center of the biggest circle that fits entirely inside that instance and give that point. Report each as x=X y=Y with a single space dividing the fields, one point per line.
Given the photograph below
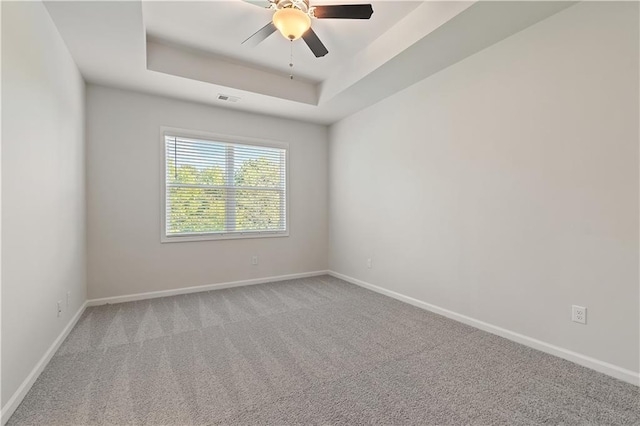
x=59 y=308
x=369 y=264
x=579 y=314
x=254 y=260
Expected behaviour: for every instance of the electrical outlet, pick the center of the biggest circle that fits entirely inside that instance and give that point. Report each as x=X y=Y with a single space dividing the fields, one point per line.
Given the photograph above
x=59 y=308
x=579 y=314
x=254 y=260
x=369 y=264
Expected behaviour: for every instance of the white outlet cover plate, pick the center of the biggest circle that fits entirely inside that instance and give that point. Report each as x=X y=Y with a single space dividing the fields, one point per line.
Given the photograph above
x=579 y=314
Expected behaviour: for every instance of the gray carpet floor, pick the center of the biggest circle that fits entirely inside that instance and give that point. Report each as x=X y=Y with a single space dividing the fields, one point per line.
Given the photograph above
x=308 y=351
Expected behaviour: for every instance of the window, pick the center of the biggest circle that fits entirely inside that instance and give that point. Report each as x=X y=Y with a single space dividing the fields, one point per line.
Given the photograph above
x=218 y=189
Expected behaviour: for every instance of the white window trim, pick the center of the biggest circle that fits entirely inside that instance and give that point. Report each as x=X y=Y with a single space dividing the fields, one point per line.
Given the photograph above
x=216 y=236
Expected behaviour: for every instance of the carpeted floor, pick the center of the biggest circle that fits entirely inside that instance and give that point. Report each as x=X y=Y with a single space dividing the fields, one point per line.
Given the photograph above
x=309 y=351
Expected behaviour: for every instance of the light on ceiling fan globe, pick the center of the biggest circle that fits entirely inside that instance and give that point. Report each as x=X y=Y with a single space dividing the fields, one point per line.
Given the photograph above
x=291 y=22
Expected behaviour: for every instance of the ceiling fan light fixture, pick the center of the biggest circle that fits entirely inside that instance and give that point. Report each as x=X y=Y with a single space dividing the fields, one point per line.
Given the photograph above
x=291 y=22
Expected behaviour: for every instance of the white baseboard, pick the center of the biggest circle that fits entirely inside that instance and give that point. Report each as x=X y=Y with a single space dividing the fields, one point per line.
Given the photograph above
x=584 y=360
x=24 y=388
x=197 y=289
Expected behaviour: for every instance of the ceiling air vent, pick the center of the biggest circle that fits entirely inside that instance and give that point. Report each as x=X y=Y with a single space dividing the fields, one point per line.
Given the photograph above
x=227 y=98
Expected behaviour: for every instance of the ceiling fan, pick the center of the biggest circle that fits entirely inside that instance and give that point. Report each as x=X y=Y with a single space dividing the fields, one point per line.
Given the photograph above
x=293 y=19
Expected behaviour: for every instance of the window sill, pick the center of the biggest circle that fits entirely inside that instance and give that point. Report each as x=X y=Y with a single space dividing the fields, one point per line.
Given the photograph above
x=219 y=237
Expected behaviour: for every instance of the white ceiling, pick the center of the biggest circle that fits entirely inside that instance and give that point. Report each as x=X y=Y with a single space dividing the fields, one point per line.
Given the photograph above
x=220 y=27
x=193 y=51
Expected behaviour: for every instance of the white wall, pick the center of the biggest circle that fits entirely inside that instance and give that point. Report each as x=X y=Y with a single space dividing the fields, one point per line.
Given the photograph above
x=124 y=168
x=505 y=187
x=43 y=192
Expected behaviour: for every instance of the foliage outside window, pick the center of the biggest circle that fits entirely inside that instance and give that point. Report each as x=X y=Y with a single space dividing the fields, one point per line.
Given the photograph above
x=219 y=189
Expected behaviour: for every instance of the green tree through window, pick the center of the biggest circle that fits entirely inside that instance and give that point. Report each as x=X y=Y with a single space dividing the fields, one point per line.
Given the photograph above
x=223 y=188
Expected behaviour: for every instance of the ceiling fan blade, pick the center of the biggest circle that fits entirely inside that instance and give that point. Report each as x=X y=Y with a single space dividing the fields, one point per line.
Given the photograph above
x=260 y=35
x=314 y=43
x=260 y=3
x=344 y=11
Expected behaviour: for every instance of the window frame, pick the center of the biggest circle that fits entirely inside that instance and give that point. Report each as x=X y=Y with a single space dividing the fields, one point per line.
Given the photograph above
x=214 y=137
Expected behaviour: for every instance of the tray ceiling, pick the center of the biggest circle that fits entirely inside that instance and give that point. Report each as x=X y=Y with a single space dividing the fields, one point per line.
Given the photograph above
x=192 y=50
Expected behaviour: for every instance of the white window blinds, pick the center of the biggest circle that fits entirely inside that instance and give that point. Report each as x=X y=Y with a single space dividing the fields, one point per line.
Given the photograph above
x=223 y=189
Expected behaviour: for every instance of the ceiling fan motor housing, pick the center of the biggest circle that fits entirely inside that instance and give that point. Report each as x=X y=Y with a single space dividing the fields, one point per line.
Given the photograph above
x=302 y=5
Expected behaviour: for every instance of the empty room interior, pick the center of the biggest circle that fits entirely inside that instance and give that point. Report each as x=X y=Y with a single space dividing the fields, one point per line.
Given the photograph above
x=335 y=212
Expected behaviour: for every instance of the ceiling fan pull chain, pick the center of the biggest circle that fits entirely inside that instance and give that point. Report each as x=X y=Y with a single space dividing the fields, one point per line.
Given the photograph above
x=291 y=61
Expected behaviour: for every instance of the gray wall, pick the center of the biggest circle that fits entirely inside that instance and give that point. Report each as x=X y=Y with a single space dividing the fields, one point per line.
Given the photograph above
x=124 y=169
x=43 y=189
x=505 y=188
